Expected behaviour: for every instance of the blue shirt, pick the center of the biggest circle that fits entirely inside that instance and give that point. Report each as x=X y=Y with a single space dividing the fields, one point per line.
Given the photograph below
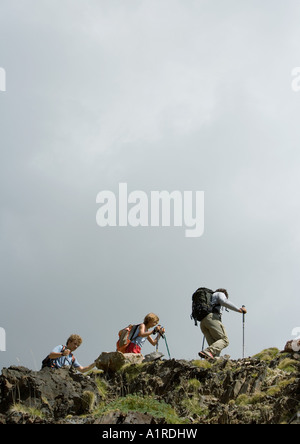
x=64 y=360
x=138 y=340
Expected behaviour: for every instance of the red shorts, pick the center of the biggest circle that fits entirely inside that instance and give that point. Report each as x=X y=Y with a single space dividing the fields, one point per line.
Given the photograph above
x=133 y=348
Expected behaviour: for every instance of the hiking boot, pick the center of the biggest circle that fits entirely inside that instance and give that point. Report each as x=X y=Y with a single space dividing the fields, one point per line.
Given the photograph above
x=205 y=354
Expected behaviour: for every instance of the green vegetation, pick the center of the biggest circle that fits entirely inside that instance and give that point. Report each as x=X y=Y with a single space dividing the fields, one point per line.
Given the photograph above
x=193 y=384
x=275 y=389
x=32 y=411
x=202 y=363
x=246 y=400
x=193 y=407
x=147 y=404
x=102 y=387
x=88 y=401
x=288 y=365
x=267 y=355
x=131 y=371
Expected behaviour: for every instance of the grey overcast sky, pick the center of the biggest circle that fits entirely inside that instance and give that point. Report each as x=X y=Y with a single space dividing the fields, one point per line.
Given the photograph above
x=161 y=95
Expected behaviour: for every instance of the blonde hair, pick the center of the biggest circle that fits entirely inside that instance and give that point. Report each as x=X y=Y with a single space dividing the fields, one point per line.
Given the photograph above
x=76 y=338
x=151 y=317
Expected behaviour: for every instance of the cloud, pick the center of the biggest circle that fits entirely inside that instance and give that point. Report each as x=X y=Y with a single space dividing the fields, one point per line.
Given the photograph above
x=162 y=95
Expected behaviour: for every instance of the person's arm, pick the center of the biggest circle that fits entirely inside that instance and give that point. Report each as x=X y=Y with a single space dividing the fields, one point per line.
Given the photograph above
x=57 y=354
x=159 y=334
x=143 y=333
x=85 y=369
x=147 y=334
x=227 y=304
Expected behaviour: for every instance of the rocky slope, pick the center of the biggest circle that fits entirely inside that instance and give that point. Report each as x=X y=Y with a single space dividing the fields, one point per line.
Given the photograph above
x=262 y=389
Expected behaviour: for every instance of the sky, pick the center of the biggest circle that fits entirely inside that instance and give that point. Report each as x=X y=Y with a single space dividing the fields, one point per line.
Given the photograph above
x=160 y=95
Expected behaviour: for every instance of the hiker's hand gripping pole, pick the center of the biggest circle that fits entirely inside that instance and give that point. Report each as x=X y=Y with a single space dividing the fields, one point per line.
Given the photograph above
x=159 y=329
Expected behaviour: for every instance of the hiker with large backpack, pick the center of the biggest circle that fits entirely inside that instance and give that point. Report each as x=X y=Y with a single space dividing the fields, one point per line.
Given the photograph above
x=132 y=338
x=206 y=308
x=62 y=356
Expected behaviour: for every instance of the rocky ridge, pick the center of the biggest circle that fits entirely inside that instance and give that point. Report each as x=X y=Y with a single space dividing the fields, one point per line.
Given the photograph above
x=263 y=389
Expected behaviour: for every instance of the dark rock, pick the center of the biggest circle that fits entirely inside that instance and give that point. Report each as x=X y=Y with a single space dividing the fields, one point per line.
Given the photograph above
x=54 y=392
x=155 y=356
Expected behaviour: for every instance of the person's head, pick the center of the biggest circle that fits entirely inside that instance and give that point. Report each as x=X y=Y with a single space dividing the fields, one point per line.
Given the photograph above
x=151 y=320
x=222 y=290
x=73 y=342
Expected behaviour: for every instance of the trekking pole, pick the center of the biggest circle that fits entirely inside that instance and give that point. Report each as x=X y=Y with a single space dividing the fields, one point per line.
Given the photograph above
x=203 y=343
x=164 y=336
x=243 y=306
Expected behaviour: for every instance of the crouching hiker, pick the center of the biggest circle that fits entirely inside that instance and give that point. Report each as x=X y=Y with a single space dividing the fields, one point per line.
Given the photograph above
x=142 y=333
x=62 y=356
x=207 y=306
